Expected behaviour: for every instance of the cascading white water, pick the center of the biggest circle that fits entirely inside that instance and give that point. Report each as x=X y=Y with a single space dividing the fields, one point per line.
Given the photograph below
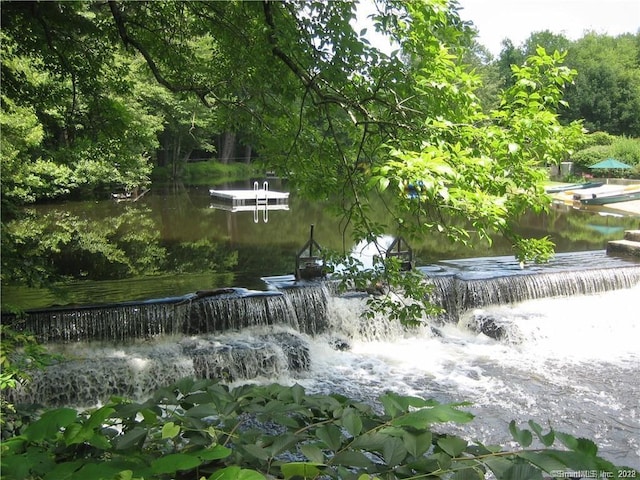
x=92 y=372
x=122 y=322
x=573 y=362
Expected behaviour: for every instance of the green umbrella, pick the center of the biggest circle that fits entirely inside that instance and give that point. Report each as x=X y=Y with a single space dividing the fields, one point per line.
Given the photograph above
x=610 y=164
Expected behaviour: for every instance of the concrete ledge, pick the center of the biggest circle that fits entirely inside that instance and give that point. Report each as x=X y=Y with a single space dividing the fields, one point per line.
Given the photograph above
x=623 y=247
x=632 y=235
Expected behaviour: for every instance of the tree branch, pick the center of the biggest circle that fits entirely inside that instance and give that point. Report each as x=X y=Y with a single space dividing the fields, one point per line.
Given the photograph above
x=309 y=82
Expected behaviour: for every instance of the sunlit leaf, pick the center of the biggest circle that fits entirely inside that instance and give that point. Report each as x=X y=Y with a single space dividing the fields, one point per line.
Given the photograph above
x=300 y=469
x=170 y=430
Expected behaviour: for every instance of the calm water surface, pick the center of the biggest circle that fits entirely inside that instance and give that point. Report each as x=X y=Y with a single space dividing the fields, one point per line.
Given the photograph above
x=174 y=241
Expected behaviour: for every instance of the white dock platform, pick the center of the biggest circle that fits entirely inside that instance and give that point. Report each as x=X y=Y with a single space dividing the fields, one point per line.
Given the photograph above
x=251 y=198
x=256 y=200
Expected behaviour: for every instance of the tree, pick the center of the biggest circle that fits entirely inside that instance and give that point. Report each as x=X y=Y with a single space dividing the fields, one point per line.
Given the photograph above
x=606 y=93
x=96 y=134
x=509 y=55
x=188 y=124
x=342 y=119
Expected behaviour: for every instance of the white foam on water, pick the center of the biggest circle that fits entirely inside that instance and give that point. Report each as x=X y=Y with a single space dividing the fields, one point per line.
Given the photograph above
x=573 y=362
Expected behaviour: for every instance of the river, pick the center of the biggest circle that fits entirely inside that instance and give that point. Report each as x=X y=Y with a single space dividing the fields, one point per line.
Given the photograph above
x=173 y=241
x=566 y=354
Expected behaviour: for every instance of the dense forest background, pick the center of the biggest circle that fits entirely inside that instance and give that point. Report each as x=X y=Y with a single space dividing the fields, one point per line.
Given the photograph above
x=102 y=97
x=82 y=113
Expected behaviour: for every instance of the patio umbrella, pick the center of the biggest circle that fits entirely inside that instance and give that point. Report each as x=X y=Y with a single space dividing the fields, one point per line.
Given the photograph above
x=610 y=164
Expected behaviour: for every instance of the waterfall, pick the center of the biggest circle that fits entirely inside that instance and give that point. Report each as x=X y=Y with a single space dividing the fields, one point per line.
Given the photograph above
x=94 y=373
x=310 y=306
x=90 y=373
x=513 y=289
x=132 y=348
x=235 y=312
x=459 y=290
x=230 y=334
x=119 y=322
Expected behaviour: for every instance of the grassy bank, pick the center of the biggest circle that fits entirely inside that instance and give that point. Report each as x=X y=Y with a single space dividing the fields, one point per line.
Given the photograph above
x=209 y=172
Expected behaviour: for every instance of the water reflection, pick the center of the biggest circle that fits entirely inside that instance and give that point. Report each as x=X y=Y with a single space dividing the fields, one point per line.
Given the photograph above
x=172 y=242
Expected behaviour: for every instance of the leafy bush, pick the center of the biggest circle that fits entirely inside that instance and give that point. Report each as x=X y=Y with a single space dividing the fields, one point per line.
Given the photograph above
x=20 y=355
x=536 y=250
x=201 y=429
x=583 y=159
x=626 y=150
x=596 y=138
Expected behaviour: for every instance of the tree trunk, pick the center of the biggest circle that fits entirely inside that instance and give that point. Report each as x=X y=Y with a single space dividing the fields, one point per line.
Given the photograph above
x=175 y=158
x=227 y=147
x=247 y=154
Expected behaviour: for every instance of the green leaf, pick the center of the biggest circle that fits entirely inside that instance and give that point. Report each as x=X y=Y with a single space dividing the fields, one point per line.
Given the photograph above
x=66 y=470
x=170 y=430
x=100 y=470
x=202 y=411
x=97 y=418
x=313 y=453
x=198 y=398
x=351 y=421
x=246 y=474
x=417 y=443
x=297 y=391
x=214 y=453
x=587 y=447
x=227 y=473
x=350 y=458
x=74 y=434
x=394 y=451
x=257 y=451
x=453 y=446
x=441 y=459
x=567 y=440
x=330 y=436
x=470 y=473
x=131 y=438
x=523 y=437
x=300 y=469
x=284 y=420
x=548 y=439
x=173 y=462
x=236 y=473
x=100 y=441
x=371 y=441
x=50 y=423
x=523 y=471
x=499 y=466
x=283 y=443
x=423 y=418
x=546 y=460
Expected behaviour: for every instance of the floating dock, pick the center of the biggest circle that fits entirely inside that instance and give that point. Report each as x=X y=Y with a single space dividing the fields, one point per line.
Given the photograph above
x=248 y=200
